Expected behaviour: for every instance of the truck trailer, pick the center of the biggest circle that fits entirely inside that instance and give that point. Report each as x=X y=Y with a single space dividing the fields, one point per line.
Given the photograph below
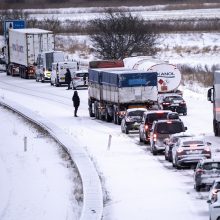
x=169 y=76
x=112 y=91
x=214 y=97
x=23 y=47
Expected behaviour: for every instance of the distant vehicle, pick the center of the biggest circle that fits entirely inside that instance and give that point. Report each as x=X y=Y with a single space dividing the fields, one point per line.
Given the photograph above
x=170 y=143
x=132 y=119
x=146 y=123
x=23 y=47
x=214 y=96
x=59 y=71
x=162 y=130
x=207 y=170
x=80 y=79
x=214 y=200
x=44 y=64
x=175 y=103
x=189 y=151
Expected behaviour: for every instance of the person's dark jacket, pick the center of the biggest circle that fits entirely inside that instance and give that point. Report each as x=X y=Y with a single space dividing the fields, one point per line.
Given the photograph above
x=68 y=77
x=76 y=100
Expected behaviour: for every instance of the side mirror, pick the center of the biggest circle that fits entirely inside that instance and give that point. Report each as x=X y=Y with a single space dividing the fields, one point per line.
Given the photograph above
x=185 y=128
x=209 y=201
x=210 y=96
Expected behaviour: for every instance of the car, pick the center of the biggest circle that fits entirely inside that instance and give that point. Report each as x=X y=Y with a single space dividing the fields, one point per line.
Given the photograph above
x=206 y=171
x=161 y=131
x=170 y=143
x=175 y=103
x=80 y=79
x=146 y=123
x=132 y=119
x=214 y=200
x=189 y=151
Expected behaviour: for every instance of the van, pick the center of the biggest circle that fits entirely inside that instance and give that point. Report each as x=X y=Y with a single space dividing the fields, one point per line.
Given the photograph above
x=162 y=130
x=44 y=64
x=59 y=71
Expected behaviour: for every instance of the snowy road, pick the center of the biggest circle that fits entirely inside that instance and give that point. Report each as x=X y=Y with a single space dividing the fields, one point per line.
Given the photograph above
x=137 y=184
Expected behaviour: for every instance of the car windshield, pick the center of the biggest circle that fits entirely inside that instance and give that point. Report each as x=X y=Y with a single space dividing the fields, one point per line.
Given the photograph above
x=169 y=128
x=212 y=165
x=136 y=113
x=157 y=116
x=172 y=98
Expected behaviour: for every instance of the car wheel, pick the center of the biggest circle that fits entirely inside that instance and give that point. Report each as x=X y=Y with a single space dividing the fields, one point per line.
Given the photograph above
x=126 y=130
x=140 y=138
x=197 y=188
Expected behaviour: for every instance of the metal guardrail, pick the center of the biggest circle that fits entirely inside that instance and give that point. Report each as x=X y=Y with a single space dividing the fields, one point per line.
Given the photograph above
x=92 y=191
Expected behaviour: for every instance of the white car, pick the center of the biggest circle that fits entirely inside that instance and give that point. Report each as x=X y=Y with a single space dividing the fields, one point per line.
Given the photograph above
x=80 y=79
x=214 y=201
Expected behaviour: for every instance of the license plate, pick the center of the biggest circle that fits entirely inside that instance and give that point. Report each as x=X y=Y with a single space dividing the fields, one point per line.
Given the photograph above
x=194 y=152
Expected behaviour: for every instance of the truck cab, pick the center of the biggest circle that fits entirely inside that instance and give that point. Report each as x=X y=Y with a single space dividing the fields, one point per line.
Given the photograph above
x=59 y=71
x=213 y=96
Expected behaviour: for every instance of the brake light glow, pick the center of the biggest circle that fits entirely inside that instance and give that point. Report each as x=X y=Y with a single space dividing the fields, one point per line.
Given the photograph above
x=154 y=137
x=200 y=171
x=146 y=127
x=207 y=149
x=179 y=150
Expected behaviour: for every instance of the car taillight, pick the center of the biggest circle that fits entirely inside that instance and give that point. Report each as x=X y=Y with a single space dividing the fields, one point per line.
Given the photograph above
x=179 y=150
x=75 y=78
x=146 y=127
x=200 y=171
x=155 y=137
x=207 y=149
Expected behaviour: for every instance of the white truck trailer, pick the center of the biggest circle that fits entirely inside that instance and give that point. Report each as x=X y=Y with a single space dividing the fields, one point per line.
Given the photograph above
x=23 y=47
x=214 y=97
x=169 y=76
x=113 y=90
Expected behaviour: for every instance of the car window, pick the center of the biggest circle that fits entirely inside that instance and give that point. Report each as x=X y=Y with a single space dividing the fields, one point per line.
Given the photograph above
x=210 y=166
x=136 y=113
x=81 y=74
x=193 y=142
x=156 y=116
x=169 y=128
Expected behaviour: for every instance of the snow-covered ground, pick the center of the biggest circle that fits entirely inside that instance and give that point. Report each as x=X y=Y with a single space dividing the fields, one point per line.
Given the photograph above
x=136 y=184
x=37 y=181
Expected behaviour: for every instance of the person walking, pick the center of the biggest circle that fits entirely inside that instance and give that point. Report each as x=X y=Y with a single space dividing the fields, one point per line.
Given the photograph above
x=76 y=102
x=68 y=78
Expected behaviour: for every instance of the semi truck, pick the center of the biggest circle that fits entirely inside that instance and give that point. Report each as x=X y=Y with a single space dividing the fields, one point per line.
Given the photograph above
x=213 y=96
x=44 y=64
x=23 y=47
x=169 y=76
x=112 y=91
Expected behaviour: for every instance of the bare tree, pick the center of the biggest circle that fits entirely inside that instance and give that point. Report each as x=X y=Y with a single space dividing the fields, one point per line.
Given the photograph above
x=121 y=34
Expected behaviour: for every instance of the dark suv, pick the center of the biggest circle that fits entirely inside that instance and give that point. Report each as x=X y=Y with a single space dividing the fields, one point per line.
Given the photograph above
x=148 y=118
x=175 y=103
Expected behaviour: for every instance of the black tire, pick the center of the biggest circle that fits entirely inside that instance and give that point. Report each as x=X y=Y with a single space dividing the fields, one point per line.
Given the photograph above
x=197 y=188
x=126 y=131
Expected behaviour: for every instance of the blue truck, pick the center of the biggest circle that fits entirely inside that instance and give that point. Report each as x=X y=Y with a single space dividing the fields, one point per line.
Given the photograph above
x=111 y=91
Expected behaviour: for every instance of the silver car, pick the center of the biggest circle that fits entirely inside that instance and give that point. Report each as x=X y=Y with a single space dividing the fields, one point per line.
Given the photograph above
x=207 y=170
x=189 y=151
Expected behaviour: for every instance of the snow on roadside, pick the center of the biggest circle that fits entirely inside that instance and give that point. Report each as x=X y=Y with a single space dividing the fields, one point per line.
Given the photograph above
x=38 y=182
